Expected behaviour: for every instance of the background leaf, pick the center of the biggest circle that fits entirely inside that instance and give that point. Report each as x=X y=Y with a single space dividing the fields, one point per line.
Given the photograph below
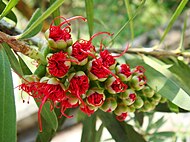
x=8 y=8
x=56 y=13
x=89 y=4
x=25 y=69
x=173 y=18
x=10 y=15
x=7 y=104
x=38 y=28
x=45 y=14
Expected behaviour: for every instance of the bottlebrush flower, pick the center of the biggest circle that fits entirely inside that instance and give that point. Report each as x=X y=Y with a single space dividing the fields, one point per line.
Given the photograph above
x=58 y=37
x=123 y=71
x=115 y=85
x=58 y=64
x=46 y=90
x=122 y=117
x=78 y=85
x=95 y=97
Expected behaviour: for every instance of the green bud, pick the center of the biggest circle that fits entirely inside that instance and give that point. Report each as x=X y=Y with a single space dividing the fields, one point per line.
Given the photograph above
x=30 y=78
x=138 y=103
x=148 y=106
x=121 y=108
x=131 y=108
x=47 y=34
x=52 y=44
x=148 y=92
x=109 y=104
x=157 y=97
x=69 y=42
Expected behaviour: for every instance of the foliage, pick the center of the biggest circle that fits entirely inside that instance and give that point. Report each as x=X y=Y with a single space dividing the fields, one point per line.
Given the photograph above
x=167 y=76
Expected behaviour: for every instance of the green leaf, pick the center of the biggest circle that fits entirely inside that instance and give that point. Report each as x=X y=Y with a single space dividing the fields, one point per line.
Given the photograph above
x=49 y=116
x=139 y=9
x=165 y=134
x=139 y=117
x=120 y=131
x=99 y=133
x=7 y=103
x=163 y=81
x=38 y=28
x=12 y=59
x=128 y=8
x=89 y=4
x=173 y=18
x=45 y=14
x=156 y=125
x=89 y=124
x=10 y=15
x=25 y=69
x=8 y=8
x=47 y=134
x=56 y=13
x=173 y=107
x=164 y=108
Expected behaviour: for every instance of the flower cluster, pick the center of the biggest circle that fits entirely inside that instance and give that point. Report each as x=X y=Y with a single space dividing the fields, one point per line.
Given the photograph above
x=79 y=76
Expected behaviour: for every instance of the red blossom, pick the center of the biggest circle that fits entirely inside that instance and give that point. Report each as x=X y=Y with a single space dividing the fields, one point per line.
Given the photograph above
x=43 y=92
x=132 y=97
x=118 y=86
x=98 y=69
x=125 y=69
x=107 y=59
x=122 y=117
x=57 y=64
x=57 y=33
x=95 y=99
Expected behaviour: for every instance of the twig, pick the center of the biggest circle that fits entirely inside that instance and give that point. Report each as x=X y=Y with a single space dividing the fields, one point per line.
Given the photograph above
x=154 y=52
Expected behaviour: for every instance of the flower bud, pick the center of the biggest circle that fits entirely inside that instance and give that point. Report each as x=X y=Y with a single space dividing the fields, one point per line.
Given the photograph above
x=95 y=97
x=148 y=92
x=138 y=103
x=109 y=104
x=115 y=86
x=30 y=78
x=122 y=107
x=137 y=82
x=122 y=117
x=157 y=97
x=129 y=95
x=147 y=106
x=123 y=71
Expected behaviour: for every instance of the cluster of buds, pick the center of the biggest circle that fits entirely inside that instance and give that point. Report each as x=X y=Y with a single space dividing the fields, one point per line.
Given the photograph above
x=77 y=75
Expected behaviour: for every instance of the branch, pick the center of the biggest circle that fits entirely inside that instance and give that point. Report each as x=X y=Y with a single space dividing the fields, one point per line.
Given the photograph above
x=154 y=52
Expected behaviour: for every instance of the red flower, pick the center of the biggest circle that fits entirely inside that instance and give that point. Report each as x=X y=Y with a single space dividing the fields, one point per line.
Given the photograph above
x=44 y=92
x=95 y=97
x=132 y=97
x=79 y=84
x=58 y=64
x=87 y=110
x=122 y=117
x=118 y=86
x=107 y=59
x=125 y=69
x=56 y=33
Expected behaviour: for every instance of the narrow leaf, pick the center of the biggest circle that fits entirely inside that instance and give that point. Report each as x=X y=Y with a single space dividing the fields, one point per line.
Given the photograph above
x=49 y=116
x=10 y=15
x=47 y=13
x=173 y=18
x=8 y=8
x=25 y=69
x=7 y=103
x=99 y=133
x=56 y=13
x=120 y=131
x=38 y=28
x=89 y=4
x=12 y=59
x=89 y=124
x=128 y=8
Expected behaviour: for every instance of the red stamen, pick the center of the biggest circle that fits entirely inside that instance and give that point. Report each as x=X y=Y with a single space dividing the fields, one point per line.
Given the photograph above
x=127 y=47
x=99 y=33
x=73 y=18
